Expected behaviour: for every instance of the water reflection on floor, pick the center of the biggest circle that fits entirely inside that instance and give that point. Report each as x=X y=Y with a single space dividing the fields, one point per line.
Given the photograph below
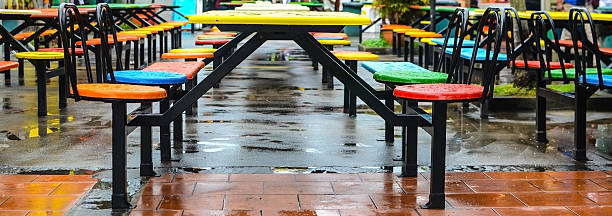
x=272 y=114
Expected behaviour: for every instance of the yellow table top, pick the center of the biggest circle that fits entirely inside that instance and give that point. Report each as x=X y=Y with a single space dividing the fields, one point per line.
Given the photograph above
x=279 y=18
x=555 y=15
x=19 y=12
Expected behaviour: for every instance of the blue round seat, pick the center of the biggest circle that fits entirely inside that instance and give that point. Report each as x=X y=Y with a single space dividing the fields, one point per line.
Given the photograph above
x=149 y=77
x=593 y=79
x=451 y=42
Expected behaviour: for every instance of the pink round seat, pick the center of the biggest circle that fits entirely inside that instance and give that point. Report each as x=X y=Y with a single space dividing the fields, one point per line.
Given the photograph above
x=439 y=92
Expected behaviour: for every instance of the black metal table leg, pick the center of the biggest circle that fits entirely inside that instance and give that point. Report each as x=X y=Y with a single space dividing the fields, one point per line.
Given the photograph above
x=146 y=149
x=438 y=157
x=580 y=122
x=352 y=97
x=164 y=133
x=41 y=81
x=409 y=143
x=393 y=43
x=120 y=195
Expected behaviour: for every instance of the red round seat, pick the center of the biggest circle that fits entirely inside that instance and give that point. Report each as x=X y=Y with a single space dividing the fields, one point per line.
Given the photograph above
x=568 y=43
x=212 y=42
x=536 y=64
x=78 y=51
x=439 y=92
x=606 y=51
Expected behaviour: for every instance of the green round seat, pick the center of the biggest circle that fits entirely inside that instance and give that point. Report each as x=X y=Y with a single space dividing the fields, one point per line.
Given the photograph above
x=410 y=77
x=571 y=72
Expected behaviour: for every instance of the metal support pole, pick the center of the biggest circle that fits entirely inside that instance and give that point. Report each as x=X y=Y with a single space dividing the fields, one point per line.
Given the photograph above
x=438 y=157
x=146 y=149
x=580 y=122
x=409 y=143
x=120 y=196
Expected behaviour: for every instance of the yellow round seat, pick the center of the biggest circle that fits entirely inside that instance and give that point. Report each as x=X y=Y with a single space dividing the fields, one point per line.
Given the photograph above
x=423 y=34
x=194 y=50
x=335 y=42
x=40 y=55
x=139 y=35
x=187 y=55
x=157 y=29
x=403 y=31
x=172 y=24
x=428 y=41
x=165 y=27
x=356 y=56
x=139 y=32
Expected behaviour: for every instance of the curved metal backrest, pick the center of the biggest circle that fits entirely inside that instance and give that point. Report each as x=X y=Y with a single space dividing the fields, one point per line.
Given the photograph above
x=457 y=29
x=540 y=24
x=493 y=18
x=511 y=17
x=106 y=26
x=579 y=20
x=72 y=29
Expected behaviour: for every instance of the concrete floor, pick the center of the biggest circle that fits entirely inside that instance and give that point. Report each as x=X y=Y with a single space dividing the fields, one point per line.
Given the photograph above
x=276 y=116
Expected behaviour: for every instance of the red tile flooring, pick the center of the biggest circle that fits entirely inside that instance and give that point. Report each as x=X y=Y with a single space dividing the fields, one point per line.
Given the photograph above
x=42 y=194
x=489 y=193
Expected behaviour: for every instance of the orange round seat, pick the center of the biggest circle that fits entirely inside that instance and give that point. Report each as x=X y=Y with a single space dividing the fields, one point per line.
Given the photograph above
x=212 y=42
x=439 y=92
x=7 y=65
x=536 y=64
x=23 y=36
x=568 y=43
x=98 y=41
x=78 y=51
x=120 y=91
x=187 y=55
x=229 y=34
x=606 y=51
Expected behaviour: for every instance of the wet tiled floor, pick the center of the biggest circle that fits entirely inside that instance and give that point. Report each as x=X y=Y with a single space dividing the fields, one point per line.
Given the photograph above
x=42 y=194
x=364 y=194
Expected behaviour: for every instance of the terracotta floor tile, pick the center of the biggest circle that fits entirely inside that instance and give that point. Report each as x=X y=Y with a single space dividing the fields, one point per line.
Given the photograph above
x=376 y=177
x=567 y=185
x=601 y=198
x=46 y=213
x=483 y=200
x=461 y=176
x=535 y=211
x=148 y=202
x=298 y=188
x=167 y=178
x=13 y=213
x=219 y=213
x=400 y=201
x=301 y=213
x=16 y=178
x=156 y=213
x=73 y=189
x=261 y=202
x=501 y=186
x=554 y=199
x=418 y=186
x=262 y=177
x=168 y=189
x=335 y=202
x=592 y=210
x=199 y=202
x=367 y=188
x=65 y=178
x=327 y=177
x=229 y=188
x=457 y=212
x=56 y=203
x=519 y=175
x=197 y=177
x=379 y=212
x=604 y=182
x=28 y=188
x=578 y=174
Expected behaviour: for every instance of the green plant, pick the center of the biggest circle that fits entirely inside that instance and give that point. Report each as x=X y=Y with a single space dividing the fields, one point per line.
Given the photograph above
x=511 y=90
x=376 y=43
x=398 y=11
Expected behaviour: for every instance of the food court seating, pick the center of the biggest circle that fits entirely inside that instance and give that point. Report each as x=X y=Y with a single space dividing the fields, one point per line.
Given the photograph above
x=329 y=44
x=119 y=95
x=457 y=91
x=587 y=77
x=41 y=62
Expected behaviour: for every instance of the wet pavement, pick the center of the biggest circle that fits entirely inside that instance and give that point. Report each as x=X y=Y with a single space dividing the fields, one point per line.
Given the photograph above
x=273 y=115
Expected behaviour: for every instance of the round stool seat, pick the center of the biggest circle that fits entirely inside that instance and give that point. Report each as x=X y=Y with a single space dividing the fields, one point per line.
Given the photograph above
x=7 y=65
x=403 y=31
x=606 y=51
x=40 y=55
x=423 y=34
x=149 y=77
x=439 y=92
x=335 y=42
x=120 y=91
x=187 y=55
x=190 y=69
x=410 y=77
x=78 y=51
x=212 y=37
x=536 y=64
x=212 y=42
x=356 y=56
x=228 y=34
x=193 y=50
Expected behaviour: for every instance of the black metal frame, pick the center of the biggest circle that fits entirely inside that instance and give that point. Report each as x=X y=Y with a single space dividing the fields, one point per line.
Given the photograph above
x=579 y=19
